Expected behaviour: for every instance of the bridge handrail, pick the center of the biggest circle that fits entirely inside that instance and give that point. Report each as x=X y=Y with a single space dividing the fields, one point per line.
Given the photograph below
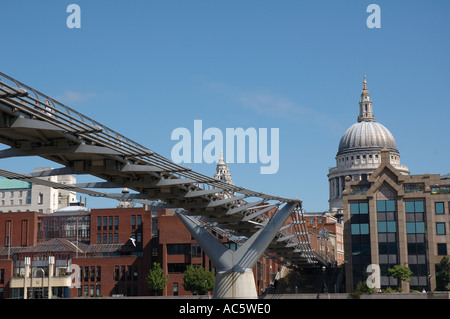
x=36 y=105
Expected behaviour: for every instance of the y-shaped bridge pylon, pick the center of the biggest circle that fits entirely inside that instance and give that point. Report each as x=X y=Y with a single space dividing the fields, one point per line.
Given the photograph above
x=234 y=278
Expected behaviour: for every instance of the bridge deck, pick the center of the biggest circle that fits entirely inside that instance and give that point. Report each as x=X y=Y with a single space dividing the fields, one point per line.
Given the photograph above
x=34 y=124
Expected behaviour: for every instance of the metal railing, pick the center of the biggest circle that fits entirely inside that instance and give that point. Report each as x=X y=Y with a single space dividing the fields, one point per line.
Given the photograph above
x=84 y=130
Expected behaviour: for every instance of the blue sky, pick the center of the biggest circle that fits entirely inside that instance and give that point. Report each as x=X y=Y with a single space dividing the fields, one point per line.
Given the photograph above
x=145 y=68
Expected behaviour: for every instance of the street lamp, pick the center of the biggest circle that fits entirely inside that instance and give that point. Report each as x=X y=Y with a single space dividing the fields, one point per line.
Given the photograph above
x=324 y=287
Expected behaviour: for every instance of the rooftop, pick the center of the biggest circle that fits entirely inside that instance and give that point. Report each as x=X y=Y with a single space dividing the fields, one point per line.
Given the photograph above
x=6 y=184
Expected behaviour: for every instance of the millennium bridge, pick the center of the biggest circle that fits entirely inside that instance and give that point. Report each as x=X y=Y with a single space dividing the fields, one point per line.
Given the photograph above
x=34 y=124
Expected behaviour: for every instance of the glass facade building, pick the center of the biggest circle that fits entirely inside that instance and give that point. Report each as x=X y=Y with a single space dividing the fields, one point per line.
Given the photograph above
x=397 y=220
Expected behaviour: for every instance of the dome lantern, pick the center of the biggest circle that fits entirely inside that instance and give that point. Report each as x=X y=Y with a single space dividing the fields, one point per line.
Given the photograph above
x=365 y=105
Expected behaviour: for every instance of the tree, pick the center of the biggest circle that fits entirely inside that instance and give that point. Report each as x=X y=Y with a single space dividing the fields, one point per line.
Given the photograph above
x=156 y=279
x=198 y=280
x=443 y=274
x=362 y=288
x=402 y=273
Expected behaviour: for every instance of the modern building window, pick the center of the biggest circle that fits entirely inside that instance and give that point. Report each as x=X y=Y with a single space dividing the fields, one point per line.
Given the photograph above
x=99 y=273
x=415 y=217
x=387 y=227
x=176 y=268
x=439 y=207
x=415 y=227
x=359 y=208
x=387 y=239
x=416 y=244
x=40 y=199
x=86 y=290
x=413 y=188
x=414 y=207
x=360 y=239
x=139 y=237
x=417 y=248
x=92 y=273
x=386 y=206
x=178 y=249
x=360 y=229
x=440 y=229
x=387 y=248
x=442 y=249
x=196 y=251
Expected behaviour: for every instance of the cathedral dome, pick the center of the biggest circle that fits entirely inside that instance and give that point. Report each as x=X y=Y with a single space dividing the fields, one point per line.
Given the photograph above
x=359 y=153
x=366 y=135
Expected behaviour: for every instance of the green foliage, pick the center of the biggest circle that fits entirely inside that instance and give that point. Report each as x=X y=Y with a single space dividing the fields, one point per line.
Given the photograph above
x=389 y=290
x=362 y=288
x=156 y=279
x=443 y=275
x=402 y=273
x=198 y=280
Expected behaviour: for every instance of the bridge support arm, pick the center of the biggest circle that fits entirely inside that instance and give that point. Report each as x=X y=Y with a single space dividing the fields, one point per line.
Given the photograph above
x=234 y=278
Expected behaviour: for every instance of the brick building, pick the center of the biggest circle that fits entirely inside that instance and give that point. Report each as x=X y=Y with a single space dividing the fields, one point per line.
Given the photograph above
x=326 y=235
x=109 y=250
x=97 y=241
